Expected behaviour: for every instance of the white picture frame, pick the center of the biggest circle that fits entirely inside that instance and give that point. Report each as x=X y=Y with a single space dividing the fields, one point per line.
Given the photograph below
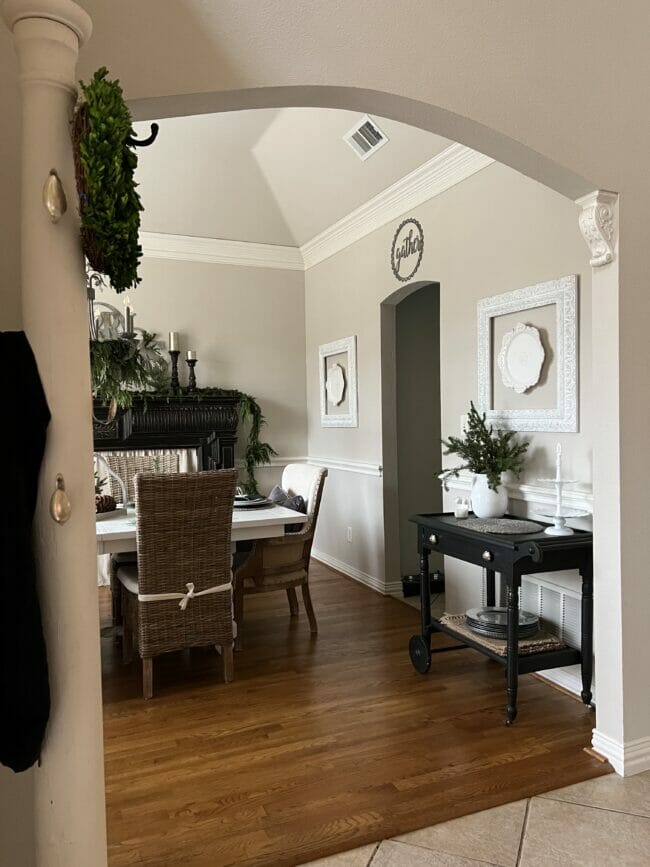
x=343 y=355
x=563 y=417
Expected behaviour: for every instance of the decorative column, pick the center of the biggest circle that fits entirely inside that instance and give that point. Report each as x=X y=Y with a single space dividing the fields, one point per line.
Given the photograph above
x=69 y=817
x=597 y=222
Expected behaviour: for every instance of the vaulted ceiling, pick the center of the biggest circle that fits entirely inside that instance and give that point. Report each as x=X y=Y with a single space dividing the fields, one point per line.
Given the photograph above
x=272 y=176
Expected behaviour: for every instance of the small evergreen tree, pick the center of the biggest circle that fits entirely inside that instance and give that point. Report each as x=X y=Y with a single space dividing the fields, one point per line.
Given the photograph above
x=483 y=450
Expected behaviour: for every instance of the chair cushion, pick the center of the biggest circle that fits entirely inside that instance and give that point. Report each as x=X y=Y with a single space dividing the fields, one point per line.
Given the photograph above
x=127 y=573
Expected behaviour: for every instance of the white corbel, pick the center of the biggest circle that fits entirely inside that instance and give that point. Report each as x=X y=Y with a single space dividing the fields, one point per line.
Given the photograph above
x=597 y=224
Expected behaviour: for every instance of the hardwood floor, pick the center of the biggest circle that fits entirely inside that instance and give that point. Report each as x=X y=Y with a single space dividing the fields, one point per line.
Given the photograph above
x=320 y=743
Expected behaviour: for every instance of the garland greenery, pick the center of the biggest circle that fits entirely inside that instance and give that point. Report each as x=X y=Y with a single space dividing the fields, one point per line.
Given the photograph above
x=118 y=369
x=257 y=452
x=483 y=450
x=109 y=204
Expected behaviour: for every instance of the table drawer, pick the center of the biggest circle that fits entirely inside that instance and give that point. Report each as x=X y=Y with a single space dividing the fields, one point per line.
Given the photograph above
x=471 y=551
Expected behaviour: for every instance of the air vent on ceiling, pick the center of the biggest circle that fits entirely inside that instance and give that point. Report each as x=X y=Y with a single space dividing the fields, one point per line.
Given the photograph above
x=365 y=137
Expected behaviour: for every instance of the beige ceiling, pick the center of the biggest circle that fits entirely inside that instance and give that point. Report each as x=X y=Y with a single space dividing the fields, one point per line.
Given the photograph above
x=273 y=176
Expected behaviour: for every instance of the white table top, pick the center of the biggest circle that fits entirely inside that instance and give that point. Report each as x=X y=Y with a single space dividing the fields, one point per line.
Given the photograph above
x=118 y=533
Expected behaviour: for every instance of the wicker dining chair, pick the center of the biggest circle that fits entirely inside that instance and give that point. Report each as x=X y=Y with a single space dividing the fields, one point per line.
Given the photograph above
x=127 y=465
x=283 y=563
x=179 y=593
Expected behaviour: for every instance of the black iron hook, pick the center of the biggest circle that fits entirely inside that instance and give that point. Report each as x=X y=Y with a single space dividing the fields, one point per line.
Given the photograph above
x=144 y=142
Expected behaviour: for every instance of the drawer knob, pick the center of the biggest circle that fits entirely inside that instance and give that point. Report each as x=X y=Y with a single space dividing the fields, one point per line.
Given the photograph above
x=433 y=539
x=487 y=555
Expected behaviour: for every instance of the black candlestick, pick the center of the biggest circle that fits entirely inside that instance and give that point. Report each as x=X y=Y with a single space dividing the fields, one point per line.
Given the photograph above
x=173 y=354
x=191 y=383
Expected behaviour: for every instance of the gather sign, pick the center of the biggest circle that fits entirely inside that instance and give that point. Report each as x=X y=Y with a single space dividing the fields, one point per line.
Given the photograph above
x=406 y=252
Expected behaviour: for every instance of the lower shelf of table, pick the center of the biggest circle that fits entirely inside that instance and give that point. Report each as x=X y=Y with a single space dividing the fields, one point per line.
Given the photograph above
x=525 y=664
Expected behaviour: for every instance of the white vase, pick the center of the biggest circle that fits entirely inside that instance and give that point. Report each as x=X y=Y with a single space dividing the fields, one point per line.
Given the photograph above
x=487 y=503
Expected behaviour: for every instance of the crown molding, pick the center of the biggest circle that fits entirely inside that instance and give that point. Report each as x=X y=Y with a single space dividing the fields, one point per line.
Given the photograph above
x=219 y=251
x=451 y=166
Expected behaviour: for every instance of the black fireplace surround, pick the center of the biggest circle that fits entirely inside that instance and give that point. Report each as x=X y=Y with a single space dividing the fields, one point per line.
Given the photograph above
x=208 y=425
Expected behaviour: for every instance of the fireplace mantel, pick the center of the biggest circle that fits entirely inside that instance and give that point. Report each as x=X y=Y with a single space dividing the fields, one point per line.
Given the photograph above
x=207 y=424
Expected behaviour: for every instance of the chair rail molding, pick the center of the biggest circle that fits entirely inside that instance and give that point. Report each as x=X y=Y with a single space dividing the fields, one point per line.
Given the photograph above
x=597 y=222
x=219 y=251
x=363 y=467
x=542 y=495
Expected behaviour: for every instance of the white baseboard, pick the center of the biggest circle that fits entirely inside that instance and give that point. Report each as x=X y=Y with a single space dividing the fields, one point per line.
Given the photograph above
x=627 y=759
x=351 y=571
x=565 y=678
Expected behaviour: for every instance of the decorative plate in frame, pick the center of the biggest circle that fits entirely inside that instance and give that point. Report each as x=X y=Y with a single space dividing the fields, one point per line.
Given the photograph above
x=562 y=295
x=521 y=357
x=338 y=383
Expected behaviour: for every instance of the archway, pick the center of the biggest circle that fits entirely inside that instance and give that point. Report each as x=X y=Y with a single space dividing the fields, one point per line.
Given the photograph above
x=73 y=560
x=422 y=429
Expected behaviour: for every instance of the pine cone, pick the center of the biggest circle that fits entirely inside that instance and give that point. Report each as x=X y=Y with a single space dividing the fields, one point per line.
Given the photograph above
x=104 y=503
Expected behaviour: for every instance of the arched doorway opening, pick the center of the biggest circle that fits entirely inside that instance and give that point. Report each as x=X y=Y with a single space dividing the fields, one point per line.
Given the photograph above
x=73 y=563
x=411 y=424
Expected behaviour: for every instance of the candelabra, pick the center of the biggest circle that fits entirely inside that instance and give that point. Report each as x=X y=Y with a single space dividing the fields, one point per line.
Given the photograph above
x=559 y=527
x=191 y=383
x=173 y=354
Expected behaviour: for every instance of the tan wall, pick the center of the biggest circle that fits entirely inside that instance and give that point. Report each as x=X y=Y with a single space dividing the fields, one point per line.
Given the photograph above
x=247 y=326
x=10 y=312
x=493 y=233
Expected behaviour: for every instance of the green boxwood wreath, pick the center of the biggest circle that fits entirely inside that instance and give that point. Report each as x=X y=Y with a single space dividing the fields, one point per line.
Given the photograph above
x=105 y=162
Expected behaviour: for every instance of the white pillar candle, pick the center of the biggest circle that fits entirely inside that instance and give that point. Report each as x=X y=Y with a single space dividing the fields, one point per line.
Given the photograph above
x=558 y=462
x=191 y=355
x=173 y=341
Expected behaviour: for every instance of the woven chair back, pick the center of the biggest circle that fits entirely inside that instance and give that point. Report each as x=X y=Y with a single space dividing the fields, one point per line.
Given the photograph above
x=128 y=465
x=184 y=523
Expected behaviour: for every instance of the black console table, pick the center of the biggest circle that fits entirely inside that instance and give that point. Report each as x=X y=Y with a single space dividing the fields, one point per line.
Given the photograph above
x=512 y=556
x=208 y=425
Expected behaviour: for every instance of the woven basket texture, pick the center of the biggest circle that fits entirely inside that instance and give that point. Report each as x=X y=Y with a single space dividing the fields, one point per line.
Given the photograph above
x=183 y=524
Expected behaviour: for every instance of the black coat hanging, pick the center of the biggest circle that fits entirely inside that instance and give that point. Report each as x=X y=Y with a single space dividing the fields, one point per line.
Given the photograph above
x=24 y=687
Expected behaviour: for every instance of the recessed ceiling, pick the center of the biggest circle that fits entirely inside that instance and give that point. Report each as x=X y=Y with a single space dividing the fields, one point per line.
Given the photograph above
x=272 y=176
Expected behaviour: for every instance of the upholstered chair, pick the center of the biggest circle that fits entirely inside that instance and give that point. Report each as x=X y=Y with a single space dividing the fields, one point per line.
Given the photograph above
x=283 y=563
x=179 y=593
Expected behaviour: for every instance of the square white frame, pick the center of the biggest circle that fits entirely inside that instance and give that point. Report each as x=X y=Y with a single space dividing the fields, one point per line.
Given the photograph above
x=344 y=419
x=564 y=294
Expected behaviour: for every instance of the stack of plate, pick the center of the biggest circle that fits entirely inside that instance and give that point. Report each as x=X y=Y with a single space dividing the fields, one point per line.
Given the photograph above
x=244 y=502
x=493 y=622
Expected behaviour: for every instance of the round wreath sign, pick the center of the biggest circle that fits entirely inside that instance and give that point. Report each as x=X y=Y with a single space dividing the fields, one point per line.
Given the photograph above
x=407 y=248
x=105 y=163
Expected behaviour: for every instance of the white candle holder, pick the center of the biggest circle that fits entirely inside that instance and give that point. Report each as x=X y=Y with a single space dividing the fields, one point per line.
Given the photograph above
x=559 y=517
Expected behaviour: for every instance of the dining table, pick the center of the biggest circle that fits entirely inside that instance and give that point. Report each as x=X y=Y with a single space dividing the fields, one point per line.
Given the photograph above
x=117 y=533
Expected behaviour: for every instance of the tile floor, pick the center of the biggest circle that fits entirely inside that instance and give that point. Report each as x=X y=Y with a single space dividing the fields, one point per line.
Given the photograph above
x=602 y=822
